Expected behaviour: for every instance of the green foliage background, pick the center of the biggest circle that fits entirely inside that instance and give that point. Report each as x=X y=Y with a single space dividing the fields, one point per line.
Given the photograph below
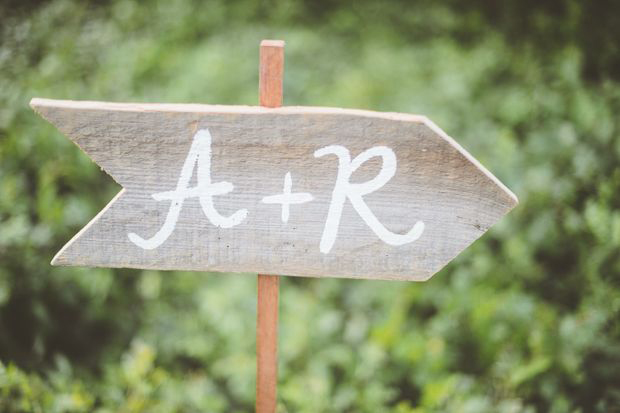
x=526 y=320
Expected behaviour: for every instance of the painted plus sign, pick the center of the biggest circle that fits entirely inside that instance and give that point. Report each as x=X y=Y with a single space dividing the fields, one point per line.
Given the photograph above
x=287 y=198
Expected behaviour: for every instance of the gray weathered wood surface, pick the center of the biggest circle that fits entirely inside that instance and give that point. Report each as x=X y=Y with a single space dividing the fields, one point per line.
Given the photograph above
x=144 y=146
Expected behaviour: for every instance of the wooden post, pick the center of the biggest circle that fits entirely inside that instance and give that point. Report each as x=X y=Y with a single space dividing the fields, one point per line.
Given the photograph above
x=270 y=95
x=267 y=343
x=271 y=70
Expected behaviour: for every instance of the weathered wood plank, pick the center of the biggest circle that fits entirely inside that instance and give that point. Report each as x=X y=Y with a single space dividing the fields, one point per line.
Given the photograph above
x=261 y=151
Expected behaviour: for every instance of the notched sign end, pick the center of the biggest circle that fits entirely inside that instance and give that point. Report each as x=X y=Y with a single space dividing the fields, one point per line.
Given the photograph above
x=81 y=252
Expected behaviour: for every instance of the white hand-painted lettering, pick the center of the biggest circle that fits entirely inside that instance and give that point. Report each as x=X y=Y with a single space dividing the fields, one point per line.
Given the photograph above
x=286 y=198
x=205 y=190
x=355 y=192
x=199 y=159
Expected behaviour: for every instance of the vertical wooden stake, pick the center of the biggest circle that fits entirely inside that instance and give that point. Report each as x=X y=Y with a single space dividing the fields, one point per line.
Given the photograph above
x=270 y=73
x=270 y=95
x=267 y=343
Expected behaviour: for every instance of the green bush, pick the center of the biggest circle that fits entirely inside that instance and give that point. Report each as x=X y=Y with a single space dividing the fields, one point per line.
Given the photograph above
x=526 y=320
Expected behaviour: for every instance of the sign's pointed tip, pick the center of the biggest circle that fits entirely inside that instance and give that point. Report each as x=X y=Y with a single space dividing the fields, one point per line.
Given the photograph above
x=511 y=199
x=515 y=200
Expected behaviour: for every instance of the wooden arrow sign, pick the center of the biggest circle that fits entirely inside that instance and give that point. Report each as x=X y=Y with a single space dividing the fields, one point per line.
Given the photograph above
x=295 y=190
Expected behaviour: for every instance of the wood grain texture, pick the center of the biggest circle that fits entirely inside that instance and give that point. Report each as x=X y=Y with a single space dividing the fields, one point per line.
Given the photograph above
x=143 y=147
